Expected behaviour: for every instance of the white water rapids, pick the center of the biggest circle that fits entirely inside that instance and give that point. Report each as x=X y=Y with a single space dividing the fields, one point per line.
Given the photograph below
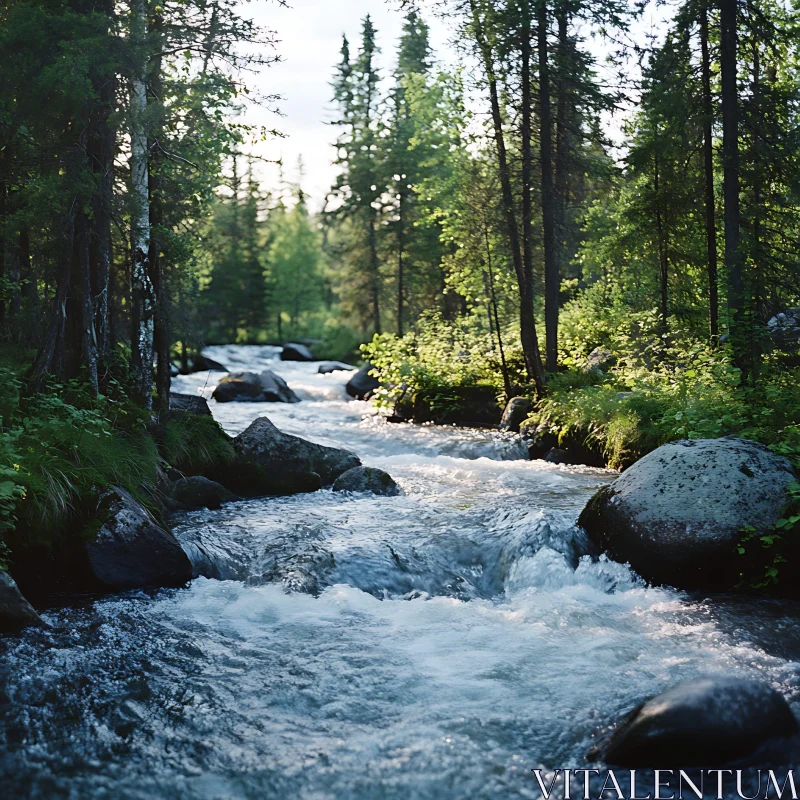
x=436 y=645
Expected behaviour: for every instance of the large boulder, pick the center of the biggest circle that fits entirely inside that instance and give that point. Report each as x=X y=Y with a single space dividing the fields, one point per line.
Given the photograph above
x=469 y=406
x=269 y=461
x=326 y=367
x=678 y=514
x=196 y=491
x=130 y=550
x=362 y=384
x=16 y=612
x=702 y=723
x=266 y=387
x=293 y=351
x=191 y=403
x=516 y=413
x=367 y=479
x=599 y=361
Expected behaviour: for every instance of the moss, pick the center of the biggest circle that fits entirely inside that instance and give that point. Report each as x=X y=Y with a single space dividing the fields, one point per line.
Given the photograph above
x=194 y=443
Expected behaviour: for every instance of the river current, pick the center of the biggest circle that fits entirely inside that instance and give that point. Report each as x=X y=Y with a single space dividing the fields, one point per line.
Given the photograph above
x=436 y=645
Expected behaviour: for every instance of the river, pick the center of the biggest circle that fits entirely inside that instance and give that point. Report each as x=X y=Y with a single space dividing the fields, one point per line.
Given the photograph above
x=436 y=645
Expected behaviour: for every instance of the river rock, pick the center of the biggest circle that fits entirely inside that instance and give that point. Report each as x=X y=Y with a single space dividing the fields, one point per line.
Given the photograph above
x=557 y=456
x=599 y=361
x=130 y=550
x=269 y=461
x=678 y=514
x=16 y=612
x=701 y=723
x=367 y=479
x=326 y=367
x=516 y=413
x=266 y=387
x=196 y=491
x=191 y=403
x=362 y=384
x=203 y=364
x=292 y=351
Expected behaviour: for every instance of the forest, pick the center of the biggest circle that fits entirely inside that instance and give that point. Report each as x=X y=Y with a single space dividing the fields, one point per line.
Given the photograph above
x=601 y=223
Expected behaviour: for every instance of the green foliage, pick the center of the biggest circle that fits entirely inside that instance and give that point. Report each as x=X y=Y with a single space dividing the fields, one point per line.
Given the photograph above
x=438 y=357
x=192 y=443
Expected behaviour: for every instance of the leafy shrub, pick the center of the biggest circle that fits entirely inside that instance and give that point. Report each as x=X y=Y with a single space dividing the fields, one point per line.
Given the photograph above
x=191 y=443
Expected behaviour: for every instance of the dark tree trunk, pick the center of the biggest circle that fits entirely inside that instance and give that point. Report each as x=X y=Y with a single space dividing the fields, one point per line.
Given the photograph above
x=161 y=331
x=528 y=336
x=663 y=254
x=30 y=292
x=561 y=178
x=552 y=280
x=708 y=166
x=103 y=148
x=50 y=354
x=730 y=179
x=374 y=269
x=401 y=244
x=493 y=313
x=83 y=285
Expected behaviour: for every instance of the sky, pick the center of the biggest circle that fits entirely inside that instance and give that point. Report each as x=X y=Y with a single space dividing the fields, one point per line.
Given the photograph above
x=309 y=34
x=310 y=38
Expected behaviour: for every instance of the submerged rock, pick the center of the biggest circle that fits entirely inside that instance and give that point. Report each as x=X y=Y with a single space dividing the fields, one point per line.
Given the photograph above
x=269 y=461
x=326 y=367
x=516 y=413
x=192 y=404
x=130 y=549
x=266 y=387
x=362 y=384
x=196 y=491
x=678 y=514
x=367 y=479
x=16 y=612
x=293 y=351
x=701 y=723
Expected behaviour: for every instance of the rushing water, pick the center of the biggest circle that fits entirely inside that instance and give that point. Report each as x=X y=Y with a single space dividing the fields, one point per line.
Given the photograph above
x=436 y=645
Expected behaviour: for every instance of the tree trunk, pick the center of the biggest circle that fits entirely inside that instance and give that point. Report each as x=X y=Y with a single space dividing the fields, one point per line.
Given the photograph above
x=494 y=313
x=552 y=280
x=708 y=166
x=401 y=244
x=161 y=332
x=374 y=269
x=528 y=336
x=663 y=255
x=730 y=176
x=49 y=354
x=561 y=179
x=83 y=284
x=143 y=291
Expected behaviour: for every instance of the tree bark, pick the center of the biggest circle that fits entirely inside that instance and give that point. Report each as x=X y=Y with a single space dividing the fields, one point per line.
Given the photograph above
x=401 y=244
x=143 y=291
x=730 y=175
x=161 y=329
x=49 y=354
x=83 y=284
x=374 y=269
x=552 y=280
x=663 y=254
x=708 y=166
x=561 y=178
x=528 y=336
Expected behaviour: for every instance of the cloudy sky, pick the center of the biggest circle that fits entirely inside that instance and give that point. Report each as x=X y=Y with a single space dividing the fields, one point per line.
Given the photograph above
x=310 y=33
